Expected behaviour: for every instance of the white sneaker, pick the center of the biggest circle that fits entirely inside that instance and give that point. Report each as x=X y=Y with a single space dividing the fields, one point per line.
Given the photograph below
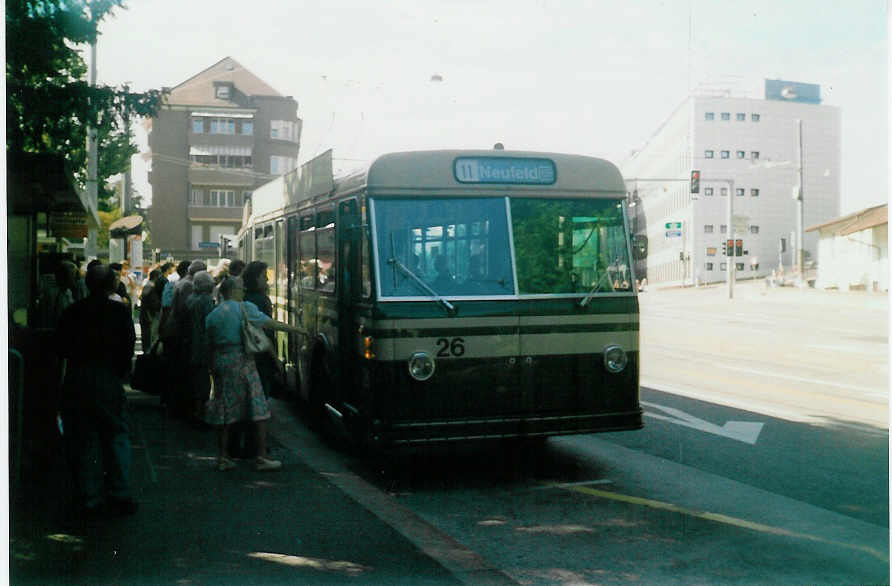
x=264 y=464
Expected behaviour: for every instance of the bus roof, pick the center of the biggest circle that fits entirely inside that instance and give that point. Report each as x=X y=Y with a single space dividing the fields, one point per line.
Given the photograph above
x=437 y=173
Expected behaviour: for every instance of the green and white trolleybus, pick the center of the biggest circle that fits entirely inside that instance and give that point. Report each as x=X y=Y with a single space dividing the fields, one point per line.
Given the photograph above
x=455 y=295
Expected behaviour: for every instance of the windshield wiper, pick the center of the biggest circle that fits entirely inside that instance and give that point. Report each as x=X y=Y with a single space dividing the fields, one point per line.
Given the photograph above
x=595 y=289
x=450 y=309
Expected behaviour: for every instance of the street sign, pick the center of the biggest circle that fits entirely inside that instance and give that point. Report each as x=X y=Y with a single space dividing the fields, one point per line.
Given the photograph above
x=673 y=233
x=208 y=245
x=673 y=225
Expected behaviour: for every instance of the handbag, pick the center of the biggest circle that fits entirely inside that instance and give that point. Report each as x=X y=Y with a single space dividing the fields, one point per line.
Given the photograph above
x=254 y=338
x=147 y=371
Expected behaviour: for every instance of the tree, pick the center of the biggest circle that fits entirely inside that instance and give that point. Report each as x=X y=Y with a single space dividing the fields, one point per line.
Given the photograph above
x=49 y=105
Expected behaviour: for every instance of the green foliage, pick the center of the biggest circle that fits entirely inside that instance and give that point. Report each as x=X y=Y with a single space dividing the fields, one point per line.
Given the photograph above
x=106 y=219
x=49 y=104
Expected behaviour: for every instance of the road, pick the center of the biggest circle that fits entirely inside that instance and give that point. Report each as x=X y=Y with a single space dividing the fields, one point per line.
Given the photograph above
x=764 y=460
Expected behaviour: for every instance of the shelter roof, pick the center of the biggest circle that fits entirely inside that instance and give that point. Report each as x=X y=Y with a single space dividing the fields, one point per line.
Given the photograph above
x=856 y=222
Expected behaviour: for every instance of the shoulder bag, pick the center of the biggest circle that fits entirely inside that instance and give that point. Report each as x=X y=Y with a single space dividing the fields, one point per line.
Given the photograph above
x=255 y=339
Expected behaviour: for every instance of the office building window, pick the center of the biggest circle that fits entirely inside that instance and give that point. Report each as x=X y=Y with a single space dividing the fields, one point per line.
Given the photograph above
x=710 y=115
x=724 y=191
x=741 y=117
x=726 y=154
x=740 y=266
x=726 y=115
x=723 y=229
x=708 y=228
x=711 y=251
x=741 y=154
x=197 y=125
x=754 y=229
x=247 y=127
x=739 y=191
x=709 y=266
x=724 y=266
x=707 y=191
x=754 y=266
x=709 y=154
x=754 y=192
x=754 y=155
x=755 y=117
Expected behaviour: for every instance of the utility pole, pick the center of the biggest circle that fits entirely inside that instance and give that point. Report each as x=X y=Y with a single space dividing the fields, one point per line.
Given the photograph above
x=800 y=250
x=730 y=261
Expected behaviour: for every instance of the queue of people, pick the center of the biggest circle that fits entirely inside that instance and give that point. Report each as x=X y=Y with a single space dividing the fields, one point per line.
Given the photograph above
x=193 y=320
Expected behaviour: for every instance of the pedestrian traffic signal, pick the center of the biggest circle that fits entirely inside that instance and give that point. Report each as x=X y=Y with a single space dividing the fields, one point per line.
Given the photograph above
x=730 y=248
x=695 y=181
x=738 y=248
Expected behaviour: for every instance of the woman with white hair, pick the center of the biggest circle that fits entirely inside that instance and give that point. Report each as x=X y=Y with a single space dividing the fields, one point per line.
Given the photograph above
x=198 y=305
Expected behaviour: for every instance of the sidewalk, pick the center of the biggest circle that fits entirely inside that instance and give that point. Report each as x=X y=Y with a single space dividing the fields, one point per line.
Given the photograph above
x=199 y=526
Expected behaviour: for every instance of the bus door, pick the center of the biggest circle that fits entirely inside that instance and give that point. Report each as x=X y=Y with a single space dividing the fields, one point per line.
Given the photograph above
x=348 y=291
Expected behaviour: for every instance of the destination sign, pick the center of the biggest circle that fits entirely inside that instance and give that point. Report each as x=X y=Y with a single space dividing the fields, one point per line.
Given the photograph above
x=505 y=170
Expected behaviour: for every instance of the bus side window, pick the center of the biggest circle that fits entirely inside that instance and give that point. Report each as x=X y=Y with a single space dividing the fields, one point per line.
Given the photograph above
x=325 y=250
x=307 y=268
x=365 y=256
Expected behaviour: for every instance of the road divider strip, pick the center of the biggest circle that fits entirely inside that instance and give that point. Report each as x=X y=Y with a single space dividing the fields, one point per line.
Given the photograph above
x=719 y=518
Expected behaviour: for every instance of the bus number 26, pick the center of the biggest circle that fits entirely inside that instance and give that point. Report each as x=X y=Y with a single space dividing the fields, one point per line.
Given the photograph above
x=453 y=347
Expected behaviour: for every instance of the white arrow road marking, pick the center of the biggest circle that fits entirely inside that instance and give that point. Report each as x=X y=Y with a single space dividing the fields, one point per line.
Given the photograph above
x=742 y=431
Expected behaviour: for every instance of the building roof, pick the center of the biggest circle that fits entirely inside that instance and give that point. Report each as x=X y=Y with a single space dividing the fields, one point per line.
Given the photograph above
x=198 y=90
x=857 y=221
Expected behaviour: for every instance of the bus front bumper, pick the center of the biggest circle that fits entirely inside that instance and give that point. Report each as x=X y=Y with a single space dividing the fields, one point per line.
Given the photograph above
x=459 y=430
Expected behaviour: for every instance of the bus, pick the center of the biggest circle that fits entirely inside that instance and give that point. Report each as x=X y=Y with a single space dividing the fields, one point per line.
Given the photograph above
x=454 y=295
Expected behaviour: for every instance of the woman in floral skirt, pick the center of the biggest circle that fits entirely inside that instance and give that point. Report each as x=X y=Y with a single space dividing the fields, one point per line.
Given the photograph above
x=237 y=393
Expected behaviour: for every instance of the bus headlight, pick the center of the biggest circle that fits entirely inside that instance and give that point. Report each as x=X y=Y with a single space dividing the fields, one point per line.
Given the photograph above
x=615 y=359
x=421 y=366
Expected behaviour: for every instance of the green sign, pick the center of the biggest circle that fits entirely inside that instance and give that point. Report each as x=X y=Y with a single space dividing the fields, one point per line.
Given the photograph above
x=673 y=225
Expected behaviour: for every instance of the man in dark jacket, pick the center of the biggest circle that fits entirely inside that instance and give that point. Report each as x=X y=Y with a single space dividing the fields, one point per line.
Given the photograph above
x=96 y=337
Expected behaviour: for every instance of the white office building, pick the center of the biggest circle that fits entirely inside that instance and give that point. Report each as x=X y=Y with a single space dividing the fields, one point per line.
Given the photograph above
x=746 y=149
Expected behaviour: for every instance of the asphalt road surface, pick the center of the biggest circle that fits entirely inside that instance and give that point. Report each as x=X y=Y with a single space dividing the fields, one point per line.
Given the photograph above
x=764 y=460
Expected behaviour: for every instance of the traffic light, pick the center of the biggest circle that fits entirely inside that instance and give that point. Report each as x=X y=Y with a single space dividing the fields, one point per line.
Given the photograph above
x=738 y=248
x=730 y=247
x=695 y=181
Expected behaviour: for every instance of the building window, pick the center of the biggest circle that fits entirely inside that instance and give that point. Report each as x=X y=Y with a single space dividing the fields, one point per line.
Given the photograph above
x=741 y=154
x=741 y=117
x=754 y=266
x=740 y=266
x=726 y=115
x=723 y=229
x=196 y=197
x=754 y=155
x=197 y=233
x=279 y=165
x=754 y=229
x=710 y=115
x=726 y=154
x=247 y=127
x=754 y=192
x=755 y=117
x=724 y=266
x=709 y=154
x=283 y=130
x=711 y=251
x=197 y=125
x=708 y=191
x=709 y=266
x=222 y=126
x=724 y=191
x=223 y=92
x=740 y=191
x=246 y=195
x=708 y=229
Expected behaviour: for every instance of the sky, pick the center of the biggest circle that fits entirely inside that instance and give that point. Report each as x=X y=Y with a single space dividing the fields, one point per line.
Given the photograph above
x=587 y=77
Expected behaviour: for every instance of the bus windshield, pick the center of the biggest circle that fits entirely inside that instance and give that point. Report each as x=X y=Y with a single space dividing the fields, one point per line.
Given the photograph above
x=454 y=247
x=570 y=246
x=461 y=247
